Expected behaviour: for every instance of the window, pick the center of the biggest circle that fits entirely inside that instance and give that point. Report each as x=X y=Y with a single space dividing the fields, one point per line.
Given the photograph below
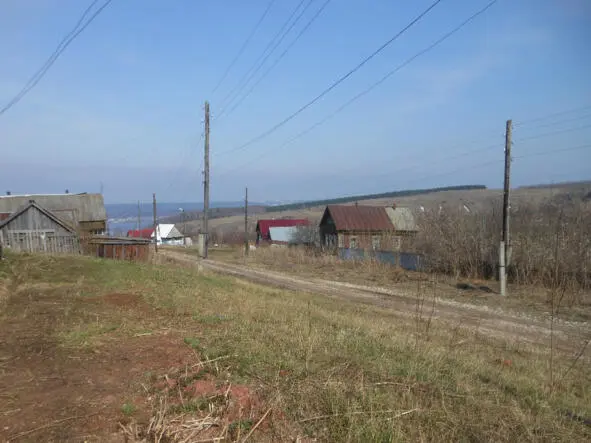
x=341 y=240
x=353 y=242
x=375 y=242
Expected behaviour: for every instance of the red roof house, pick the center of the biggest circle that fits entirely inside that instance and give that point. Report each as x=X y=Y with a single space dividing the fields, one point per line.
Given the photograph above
x=142 y=233
x=263 y=226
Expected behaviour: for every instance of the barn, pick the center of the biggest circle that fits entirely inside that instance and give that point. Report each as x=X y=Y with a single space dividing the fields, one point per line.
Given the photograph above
x=84 y=212
x=32 y=228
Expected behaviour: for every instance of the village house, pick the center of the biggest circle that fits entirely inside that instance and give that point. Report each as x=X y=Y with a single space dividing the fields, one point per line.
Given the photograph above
x=365 y=227
x=167 y=234
x=83 y=212
x=266 y=228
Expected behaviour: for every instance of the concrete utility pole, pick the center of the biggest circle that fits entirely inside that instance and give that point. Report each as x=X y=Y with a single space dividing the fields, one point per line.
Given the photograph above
x=206 y=184
x=155 y=223
x=505 y=248
x=246 y=222
x=139 y=216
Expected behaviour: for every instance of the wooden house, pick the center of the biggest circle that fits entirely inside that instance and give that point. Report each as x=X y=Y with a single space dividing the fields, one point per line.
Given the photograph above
x=365 y=227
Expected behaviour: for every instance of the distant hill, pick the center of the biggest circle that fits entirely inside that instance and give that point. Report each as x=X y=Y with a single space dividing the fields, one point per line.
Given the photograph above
x=393 y=194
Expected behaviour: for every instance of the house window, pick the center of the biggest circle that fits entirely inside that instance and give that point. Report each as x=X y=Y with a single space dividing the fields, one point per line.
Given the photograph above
x=396 y=243
x=353 y=242
x=341 y=240
x=375 y=242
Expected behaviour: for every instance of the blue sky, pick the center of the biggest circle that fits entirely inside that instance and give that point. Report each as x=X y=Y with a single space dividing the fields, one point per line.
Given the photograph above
x=123 y=105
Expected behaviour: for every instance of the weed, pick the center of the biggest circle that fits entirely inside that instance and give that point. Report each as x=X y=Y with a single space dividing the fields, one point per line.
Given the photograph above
x=128 y=409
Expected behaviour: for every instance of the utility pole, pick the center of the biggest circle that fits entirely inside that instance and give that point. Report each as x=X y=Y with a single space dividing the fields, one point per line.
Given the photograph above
x=505 y=249
x=155 y=223
x=246 y=222
x=206 y=184
x=139 y=217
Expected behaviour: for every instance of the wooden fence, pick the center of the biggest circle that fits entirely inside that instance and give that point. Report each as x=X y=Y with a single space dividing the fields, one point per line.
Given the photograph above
x=39 y=241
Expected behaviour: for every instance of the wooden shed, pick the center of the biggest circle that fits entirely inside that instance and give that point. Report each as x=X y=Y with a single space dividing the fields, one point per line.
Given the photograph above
x=33 y=228
x=119 y=248
x=84 y=212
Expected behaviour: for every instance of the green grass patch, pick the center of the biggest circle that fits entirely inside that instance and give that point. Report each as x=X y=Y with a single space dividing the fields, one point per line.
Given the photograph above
x=338 y=371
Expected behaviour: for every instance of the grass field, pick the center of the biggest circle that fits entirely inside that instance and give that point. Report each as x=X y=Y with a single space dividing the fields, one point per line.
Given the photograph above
x=94 y=350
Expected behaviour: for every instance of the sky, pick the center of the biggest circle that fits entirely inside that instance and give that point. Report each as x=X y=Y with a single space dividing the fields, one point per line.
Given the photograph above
x=122 y=109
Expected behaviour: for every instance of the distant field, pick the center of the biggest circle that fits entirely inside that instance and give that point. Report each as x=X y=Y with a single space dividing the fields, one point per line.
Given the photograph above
x=475 y=199
x=96 y=350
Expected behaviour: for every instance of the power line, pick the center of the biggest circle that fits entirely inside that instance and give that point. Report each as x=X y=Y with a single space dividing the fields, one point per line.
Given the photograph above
x=244 y=45
x=278 y=35
x=548 y=134
x=379 y=82
x=553 y=151
x=69 y=38
x=560 y=122
x=554 y=114
x=336 y=83
x=263 y=61
x=302 y=31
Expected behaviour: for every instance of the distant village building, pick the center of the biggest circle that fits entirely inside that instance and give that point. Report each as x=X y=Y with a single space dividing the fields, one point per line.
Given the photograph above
x=265 y=234
x=33 y=228
x=365 y=227
x=167 y=234
x=83 y=212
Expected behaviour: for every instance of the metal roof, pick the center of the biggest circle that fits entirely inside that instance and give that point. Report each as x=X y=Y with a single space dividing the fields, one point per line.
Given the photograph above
x=71 y=208
x=264 y=225
x=359 y=218
x=402 y=219
x=142 y=233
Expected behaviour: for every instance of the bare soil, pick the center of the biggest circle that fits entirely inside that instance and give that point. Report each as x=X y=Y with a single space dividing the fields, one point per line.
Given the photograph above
x=53 y=393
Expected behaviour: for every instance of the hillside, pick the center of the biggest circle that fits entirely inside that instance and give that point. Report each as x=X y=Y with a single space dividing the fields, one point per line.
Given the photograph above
x=474 y=198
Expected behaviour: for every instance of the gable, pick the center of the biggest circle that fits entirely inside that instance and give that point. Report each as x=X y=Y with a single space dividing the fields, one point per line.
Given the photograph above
x=33 y=217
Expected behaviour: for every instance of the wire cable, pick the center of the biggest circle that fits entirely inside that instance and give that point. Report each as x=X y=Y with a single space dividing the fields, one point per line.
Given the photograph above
x=285 y=51
x=244 y=45
x=548 y=134
x=263 y=61
x=245 y=77
x=36 y=78
x=334 y=84
x=554 y=114
x=376 y=84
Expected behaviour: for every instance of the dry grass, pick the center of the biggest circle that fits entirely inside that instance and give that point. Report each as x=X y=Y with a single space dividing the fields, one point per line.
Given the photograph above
x=320 y=368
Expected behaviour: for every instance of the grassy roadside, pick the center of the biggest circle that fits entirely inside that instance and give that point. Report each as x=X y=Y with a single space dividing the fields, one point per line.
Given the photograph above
x=528 y=300
x=324 y=369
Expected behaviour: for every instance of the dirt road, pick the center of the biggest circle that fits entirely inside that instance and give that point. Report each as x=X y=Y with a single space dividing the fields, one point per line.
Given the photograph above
x=568 y=336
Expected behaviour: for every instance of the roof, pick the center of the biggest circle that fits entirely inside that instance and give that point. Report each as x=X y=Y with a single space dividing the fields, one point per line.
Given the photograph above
x=359 y=218
x=48 y=214
x=263 y=226
x=283 y=234
x=69 y=207
x=402 y=219
x=105 y=240
x=142 y=233
x=167 y=230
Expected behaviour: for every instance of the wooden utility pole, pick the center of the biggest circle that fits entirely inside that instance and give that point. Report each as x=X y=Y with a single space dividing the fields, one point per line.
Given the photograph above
x=505 y=249
x=155 y=223
x=206 y=184
x=139 y=217
x=246 y=222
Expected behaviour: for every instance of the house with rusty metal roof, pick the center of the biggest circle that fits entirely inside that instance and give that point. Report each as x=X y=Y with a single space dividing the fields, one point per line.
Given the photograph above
x=365 y=227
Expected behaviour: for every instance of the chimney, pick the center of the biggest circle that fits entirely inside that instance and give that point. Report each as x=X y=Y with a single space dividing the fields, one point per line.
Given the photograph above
x=356 y=203
x=8 y=193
